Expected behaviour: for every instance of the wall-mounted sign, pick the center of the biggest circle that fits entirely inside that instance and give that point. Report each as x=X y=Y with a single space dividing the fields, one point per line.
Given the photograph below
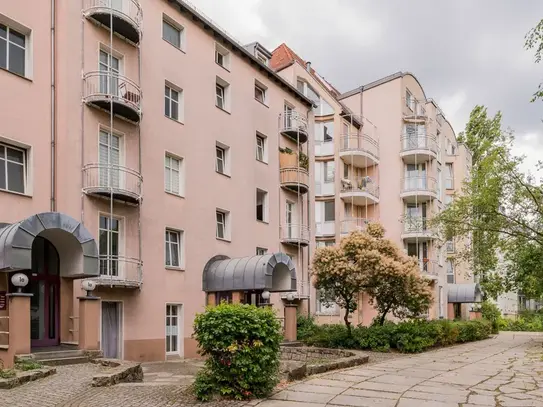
x=3 y=301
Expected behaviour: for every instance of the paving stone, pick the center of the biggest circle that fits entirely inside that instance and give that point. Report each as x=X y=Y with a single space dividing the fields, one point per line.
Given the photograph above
x=448 y=398
x=327 y=382
x=405 y=402
x=479 y=399
x=453 y=378
x=282 y=403
x=308 y=388
x=394 y=388
x=440 y=388
x=354 y=401
x=371 y=394
x=303 y=396
x=397 y=379
x=426 y=374
x=343 y=377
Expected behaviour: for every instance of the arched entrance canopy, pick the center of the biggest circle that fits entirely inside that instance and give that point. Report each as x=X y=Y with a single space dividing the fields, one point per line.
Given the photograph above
x=464 y=293
x=76 y=247
x=272 y=272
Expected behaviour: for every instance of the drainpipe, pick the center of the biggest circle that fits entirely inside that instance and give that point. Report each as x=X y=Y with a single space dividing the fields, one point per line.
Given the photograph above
x=53 y=111
x=311 y=165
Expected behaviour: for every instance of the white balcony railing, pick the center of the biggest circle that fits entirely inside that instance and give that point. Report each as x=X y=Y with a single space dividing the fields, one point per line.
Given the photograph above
x=430 y=267
x=117 y=270
x=359 y=144
x=294 y=233
x=294 y=123
x=128 y=10
x=115 y=179
x=360 y=184
x=349 y=225
x=417 y=184
x=324 y=188
x=325 y=228
x=419 y=142
x=416 y=224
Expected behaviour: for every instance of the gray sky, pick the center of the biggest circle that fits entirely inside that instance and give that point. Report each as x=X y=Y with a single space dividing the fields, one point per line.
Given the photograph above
x=464 y=52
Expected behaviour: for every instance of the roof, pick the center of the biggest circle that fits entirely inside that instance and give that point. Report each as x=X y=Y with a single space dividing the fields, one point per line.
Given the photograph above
x=381 y=81
x=464 y=293
x=271 y=272
x=206 y=23
x=283 y=56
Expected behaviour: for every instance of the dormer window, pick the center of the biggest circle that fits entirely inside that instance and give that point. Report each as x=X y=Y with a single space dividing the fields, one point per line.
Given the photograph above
x=261 y=57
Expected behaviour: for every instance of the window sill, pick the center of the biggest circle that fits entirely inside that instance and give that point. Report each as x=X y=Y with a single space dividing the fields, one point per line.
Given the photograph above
x=224 y=110
x=265 y=222
x=176 y=195
x=262 y=103
x=174 y=120
x=16 y=74
x=224 y=174
x=175 y=46
x=223 y=67
x=16 y=193
x=174 y=268
x=327 y=314
x=222 y=239
x=262 y=161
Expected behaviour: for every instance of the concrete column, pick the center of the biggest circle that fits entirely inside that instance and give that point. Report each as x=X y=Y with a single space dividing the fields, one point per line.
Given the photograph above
x=290 y=322
x=19 y=323
x=89 y=319
x=236 y=297
x=211 y=299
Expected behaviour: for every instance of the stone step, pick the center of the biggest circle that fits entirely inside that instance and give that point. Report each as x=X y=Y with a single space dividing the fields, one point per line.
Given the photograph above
x=74 y=360
x=57 y=354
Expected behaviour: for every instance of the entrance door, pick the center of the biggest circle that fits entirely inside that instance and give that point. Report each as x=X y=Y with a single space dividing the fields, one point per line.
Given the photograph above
x=111 y=329
x=45 y=287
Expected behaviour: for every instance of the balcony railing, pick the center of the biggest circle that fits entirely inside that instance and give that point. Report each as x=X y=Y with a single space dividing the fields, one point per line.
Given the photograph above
x=293 y=233
x=349 y=225
x=416 y=225
x=430 y=267
x=360 y=184
x=414 y=109
x=419 y=184
x=112 y=181
x=113 y=91
x=359 y=144
x=125 y=15
x=294 y=126
x=295 y=178
x=419 y=142
x=302 y=290
x=120 y=271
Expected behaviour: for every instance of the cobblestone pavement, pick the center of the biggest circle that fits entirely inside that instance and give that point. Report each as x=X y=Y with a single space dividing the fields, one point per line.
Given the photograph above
x=504 y=371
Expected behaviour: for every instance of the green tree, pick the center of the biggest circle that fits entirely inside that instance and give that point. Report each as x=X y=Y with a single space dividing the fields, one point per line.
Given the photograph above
x=367 y=262
x=534 y=40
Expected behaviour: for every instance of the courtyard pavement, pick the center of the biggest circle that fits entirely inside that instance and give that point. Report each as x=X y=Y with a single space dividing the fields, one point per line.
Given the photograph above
x=504 y=371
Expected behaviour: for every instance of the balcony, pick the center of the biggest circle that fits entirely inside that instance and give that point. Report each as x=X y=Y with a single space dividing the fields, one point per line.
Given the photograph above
x=349 y=225
x=120 y=272
x=359 y=191
x=418 y=189
x=113 y=182
x=123 y=17
x=302 y=290
x=113 y=92
x=294 y=126
x=418 y=148
x=417 y=228
x=414 y=111
x=294 y=234
x=359 y=150
x=429 y=268
x=294 y=175
x=324 y=148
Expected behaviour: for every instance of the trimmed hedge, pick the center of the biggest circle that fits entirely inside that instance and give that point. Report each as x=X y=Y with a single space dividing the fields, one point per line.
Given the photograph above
x=528 y=321
x=407 y=337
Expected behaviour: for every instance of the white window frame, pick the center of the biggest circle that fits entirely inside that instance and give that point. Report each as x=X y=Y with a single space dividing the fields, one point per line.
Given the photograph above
x=180 y=248
x=179 y=317
x=24 y=164
x=224 y=99
x=409 y=100
x=261 y=147
x=261 y=251
x=120 y=243
x=225 y=159
x=326 y=165
x=225 y=53
x=450 y=271
x=262 y=58
x=225 y=222
x=27 y=33
x=259 y=86
x=180 y=29
x=265 y=204
x=181 y=174
x=169 y=87
x=322 y=309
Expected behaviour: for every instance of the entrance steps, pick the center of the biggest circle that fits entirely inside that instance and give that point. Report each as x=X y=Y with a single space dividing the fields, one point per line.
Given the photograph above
x=61 y=357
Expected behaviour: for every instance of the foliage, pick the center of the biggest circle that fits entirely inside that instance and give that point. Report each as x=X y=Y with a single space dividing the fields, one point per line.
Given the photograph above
x=407 y=337
x=306 y=326
x=28 y=364
x=528 y=321
x=304 y=160
x=367 y=262
x=241 y=343
x=491 y=312
x=534 y=40
x=6 y=373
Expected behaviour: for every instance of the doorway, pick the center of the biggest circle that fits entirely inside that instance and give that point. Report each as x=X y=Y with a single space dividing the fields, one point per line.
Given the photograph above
x=111 y=340
x=44 y=284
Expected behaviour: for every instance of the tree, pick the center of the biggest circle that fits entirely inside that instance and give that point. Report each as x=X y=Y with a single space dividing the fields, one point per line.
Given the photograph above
x=367 y=262
x=534 y=40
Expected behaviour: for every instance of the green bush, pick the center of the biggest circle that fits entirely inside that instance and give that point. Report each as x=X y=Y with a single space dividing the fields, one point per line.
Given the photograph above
x=28 y=364
x=241 y=343
x=332 y=336
x=375 y=338
x=306 y=327
x=475 y=330
x=528 y=321
x=491 y=312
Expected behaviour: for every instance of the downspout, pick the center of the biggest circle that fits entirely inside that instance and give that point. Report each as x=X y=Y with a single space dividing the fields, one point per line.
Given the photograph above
x=311 y=191
x=53 y=110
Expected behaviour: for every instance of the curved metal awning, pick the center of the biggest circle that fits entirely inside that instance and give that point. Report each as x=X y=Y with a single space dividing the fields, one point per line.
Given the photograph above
x=68 y=235
x=464 y=293
x=272 y=272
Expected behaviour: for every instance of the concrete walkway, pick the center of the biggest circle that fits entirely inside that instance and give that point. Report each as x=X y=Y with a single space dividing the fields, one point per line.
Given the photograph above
x=504 y=371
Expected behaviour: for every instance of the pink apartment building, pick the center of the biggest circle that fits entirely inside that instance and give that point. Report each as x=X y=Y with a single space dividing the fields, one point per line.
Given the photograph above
x=143 y=148
x=385 y=152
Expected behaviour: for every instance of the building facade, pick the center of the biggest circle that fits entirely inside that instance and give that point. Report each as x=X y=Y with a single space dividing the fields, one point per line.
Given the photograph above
x=148 y=153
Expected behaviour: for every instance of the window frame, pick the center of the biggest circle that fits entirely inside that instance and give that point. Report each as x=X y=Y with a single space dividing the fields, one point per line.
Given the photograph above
x=180 y=248
x=263 y=148
x=263 y=89
x=22 y=31
x=180 y=171
x=167 y=20
x=169 y=88
x=24 y=164
x=221 y=84
x=326 y=165
x=261 y=251
x=120 y=242
x=265 y=206
x=225 y=224
x=225 y=53
x=324 y=210
x=179 y=318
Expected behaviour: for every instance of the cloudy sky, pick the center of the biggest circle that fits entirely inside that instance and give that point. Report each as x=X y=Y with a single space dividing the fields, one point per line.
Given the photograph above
x=464 y=52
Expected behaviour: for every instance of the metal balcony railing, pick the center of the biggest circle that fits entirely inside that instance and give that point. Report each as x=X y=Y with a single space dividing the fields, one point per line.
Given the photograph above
x=349 y=225
x=359 y=143
x=120 y=270
x=294 y=233
x=127 y=10
x=360 y=184
x=419 y=142
x=416 y=224
x=417 y=184
x=430 y=267
x=295 y=177
x=113 y=179
x=294 y=125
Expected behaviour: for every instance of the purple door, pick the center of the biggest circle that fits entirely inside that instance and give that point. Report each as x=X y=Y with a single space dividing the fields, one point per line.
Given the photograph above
x=45 y=287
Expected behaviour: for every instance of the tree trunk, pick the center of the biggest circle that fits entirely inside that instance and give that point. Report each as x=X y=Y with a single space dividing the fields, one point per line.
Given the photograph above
x=383 y=316
x=347 y=322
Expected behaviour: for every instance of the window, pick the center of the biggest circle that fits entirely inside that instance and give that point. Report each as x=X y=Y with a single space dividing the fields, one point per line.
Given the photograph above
x=109 y=245
x=439 y=184
x=260 y=92
x=450 y=272
x=409 y=101
x=172 y=328
x=173 y=33
x=261 y=148
x=13 y=168
x=324 y=308
x=12 y=50
x=329 y=211
x=222 y=224
x=262 y=58
x=222 y=159
x=222 y=91
x=448 y=200
x=173 y=175
x=173 y=254
x=329 y=171
x=345 y=171
x=261 y=205
x=109 y=84
x=110 y=155
x=449 y=176
x=325 y=243
x=173 y=102
x=450 y=246
x=260 y=251
x=222 y=56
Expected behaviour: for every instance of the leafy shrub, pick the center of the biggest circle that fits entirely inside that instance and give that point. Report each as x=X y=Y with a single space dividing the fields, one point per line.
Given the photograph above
x=376 y=338
x=491 y=312
x=449 y=332
x=473 y=330
x=28 y=364
x=241 y=343
x=306 y=326
x=332 y=336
